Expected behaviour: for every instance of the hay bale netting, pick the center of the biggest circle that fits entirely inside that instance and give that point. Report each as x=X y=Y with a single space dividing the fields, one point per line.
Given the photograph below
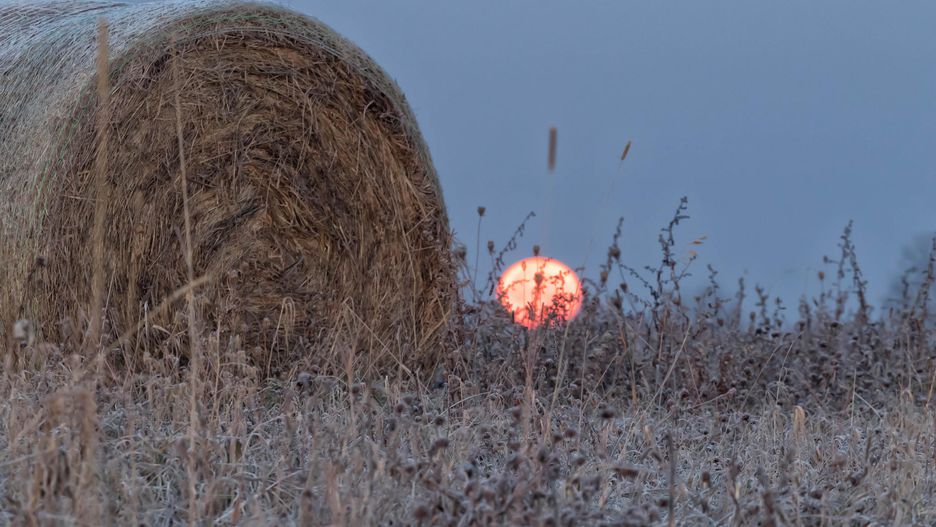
x=315 y=208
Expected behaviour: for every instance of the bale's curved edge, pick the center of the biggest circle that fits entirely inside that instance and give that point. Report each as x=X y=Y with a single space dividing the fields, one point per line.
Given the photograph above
x=316 y=211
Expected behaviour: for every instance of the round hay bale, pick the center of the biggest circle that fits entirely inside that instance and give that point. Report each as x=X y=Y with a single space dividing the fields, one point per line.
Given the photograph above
x=317 y=223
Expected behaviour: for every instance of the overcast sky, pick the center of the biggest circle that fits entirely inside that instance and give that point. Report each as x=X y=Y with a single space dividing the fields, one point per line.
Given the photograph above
x=780 y=121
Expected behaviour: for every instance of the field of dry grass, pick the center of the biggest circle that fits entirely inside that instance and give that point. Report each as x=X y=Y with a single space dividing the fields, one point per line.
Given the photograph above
x=651 y=408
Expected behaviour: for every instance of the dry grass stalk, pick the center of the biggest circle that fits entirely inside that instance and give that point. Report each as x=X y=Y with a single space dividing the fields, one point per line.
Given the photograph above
x=195 y=370
x=101 y=188
x=799 y=423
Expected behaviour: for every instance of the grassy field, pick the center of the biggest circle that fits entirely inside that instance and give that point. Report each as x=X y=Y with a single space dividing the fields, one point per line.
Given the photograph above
x=653 y=407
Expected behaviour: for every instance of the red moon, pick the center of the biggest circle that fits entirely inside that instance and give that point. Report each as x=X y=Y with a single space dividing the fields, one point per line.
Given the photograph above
x=537 y=290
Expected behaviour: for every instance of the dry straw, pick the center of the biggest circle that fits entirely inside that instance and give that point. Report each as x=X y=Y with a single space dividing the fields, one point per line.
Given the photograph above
x=317 y=221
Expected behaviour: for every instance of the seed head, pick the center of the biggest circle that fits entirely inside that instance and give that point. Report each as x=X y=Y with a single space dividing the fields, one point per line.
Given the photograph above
x=626 y=471
x=605 y=412
x=439 y=445
x=420 y=512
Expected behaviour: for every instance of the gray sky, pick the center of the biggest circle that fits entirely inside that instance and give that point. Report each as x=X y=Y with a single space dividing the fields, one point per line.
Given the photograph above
x=779 y=121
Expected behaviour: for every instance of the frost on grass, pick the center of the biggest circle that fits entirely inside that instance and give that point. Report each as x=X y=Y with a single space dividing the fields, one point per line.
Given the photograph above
x=652 y=407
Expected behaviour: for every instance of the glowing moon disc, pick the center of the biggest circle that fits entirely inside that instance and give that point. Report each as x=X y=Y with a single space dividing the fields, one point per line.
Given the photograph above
x=537 y=290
